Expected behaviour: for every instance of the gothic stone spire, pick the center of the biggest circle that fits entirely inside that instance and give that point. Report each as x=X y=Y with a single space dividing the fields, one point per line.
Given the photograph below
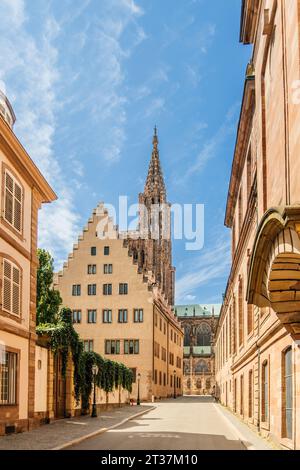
x=155 y=185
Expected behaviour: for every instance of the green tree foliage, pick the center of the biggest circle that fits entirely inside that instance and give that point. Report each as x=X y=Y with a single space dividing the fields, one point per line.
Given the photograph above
x=48 y=299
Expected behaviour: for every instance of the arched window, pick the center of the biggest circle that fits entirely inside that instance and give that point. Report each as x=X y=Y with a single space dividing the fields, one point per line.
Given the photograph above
x=204 y=335
x=187 y=337
x=201 y=367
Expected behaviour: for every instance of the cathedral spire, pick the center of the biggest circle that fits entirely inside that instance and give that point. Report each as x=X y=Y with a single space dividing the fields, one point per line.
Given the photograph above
x=155 y=185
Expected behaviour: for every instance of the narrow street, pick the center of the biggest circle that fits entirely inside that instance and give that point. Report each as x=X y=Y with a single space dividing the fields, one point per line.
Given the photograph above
x=188 y=423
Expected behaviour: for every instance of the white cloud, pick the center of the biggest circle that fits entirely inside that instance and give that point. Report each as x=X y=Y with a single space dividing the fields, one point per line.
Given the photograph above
x=193 y=75
x=211 y=146
x=108 y=101
x=156 y=106
x=212 y=264
x=13 y=12
x=31 y=75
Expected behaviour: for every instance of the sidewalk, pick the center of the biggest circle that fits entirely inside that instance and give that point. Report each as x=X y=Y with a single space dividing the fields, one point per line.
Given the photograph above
x=61 y=432
x=250 y=438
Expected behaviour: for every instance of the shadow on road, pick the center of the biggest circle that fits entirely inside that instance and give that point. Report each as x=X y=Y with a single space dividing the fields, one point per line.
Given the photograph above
x=120 y=440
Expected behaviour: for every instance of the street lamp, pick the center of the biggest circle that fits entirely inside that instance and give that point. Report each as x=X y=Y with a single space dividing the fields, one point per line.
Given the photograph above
x=174 y=384
x=138 y=402
x=95 y=371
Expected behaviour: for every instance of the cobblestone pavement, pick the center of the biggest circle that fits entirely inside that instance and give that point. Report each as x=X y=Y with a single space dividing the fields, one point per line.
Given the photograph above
x=62 y=431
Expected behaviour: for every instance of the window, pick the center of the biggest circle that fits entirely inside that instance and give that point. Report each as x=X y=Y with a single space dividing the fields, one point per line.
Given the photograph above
x=204 y=335
x=92 y=289
x=123 y=289
x=131 y=346
x=92 y=269
x=106 y=251
x=156 y=350
x=93 y=251
x=178 y=362
x=112 y=347
x=242 y=395
x=76 y=290
x=288 y=396
x=160 y=324
x=155 y=319
x=241 y=312
x=235 y=395
x=265 y=392
x=249 y=172
x=171 y=359
x=92 y=316
x=108 y=269
x=76 y=316
x=11 y=292
x=123 y=316
x=171 y=381
x=164 y=354
x=165 y=380
x=138 y=315
x=155 y=377
x=13 y=202
x=88 y=345
x=165 y=328
x=187 y=335
x=107 y=289
x=160 y=378
x=133 y=370
x=107 y=316
x=8 y=378
x=171 y=335
x=234 y=322
x=240 y=210
x=250 y=396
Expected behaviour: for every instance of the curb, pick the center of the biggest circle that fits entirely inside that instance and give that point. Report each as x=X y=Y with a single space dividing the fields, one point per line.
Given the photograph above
x=101 y=431
x=235 y=431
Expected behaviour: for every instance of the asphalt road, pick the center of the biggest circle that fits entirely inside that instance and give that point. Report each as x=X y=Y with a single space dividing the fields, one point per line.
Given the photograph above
x=188 y=423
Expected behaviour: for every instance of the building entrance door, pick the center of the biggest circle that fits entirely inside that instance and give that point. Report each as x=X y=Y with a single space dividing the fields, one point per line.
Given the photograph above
x=59 y=389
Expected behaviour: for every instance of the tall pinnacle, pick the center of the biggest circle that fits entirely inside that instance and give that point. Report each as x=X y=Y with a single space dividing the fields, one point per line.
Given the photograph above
x=155 y=185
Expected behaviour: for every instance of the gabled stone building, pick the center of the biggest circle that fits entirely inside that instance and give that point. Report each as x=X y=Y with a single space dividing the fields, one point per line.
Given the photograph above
x=120 y=287
x=199 y=323
x=257 y=340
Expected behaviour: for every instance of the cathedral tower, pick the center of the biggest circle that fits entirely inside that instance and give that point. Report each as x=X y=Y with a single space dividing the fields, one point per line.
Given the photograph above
x=154 y=249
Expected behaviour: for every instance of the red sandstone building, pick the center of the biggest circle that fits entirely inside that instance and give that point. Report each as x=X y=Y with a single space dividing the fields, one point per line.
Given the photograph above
x=257 y=340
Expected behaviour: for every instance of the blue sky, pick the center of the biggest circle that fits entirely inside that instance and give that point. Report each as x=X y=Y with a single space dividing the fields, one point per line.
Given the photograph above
x=89 y=79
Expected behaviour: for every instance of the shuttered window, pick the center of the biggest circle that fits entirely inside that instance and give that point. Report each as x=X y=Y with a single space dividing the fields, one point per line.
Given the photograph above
x=13 y=203
x=11 y=294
